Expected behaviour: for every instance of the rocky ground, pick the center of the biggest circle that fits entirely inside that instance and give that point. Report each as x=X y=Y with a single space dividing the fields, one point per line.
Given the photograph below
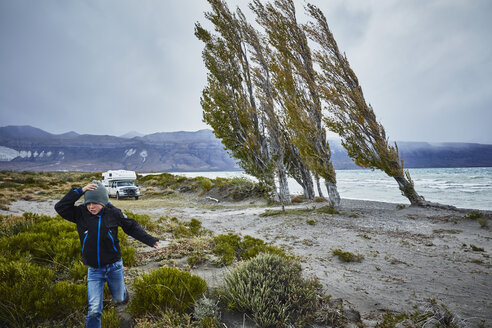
x=409 y=254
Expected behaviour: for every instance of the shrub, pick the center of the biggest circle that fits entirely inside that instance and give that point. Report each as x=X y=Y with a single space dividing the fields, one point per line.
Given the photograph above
x=205 y=183
x=110 y=319
x=429 y=314
x=230 y=247
x=327 y=210
x=144 y=220
x=49 y=239
x=205 y=309
x=298 y=199
x=476 y=249
x=271 y=290
x=12 y=224
x=165 y=288
x=249 y=247
x=475 y=214
x=29 y=295
x=167 y=318
x=226 y=246
x=347 y=256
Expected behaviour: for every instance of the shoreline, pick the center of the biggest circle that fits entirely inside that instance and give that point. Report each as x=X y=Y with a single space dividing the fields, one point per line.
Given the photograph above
x=410 y=254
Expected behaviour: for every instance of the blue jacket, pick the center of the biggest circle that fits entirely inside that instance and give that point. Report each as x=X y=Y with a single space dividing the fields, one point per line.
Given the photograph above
x=99 y=233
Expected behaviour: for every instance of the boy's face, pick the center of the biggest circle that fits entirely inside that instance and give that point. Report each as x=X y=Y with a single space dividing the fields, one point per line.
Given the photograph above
x=94 y=208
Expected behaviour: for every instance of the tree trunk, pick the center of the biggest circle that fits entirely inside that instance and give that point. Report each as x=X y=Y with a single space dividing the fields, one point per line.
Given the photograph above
x=307 y=183
x=333 y=195
x=318 y=185
x=284 y=193
x=407 y=189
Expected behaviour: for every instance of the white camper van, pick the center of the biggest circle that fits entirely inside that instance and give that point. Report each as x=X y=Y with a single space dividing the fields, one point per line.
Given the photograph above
x=120 y=183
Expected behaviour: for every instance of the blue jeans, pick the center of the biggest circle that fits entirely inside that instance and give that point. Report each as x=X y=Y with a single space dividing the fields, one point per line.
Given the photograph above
x=113 y=274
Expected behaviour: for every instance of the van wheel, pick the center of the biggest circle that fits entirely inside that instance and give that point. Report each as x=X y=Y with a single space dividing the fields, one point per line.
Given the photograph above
x=118 y=195
x=136 y=197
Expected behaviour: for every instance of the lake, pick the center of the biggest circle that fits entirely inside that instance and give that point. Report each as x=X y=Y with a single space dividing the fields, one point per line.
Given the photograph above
x=460 y=187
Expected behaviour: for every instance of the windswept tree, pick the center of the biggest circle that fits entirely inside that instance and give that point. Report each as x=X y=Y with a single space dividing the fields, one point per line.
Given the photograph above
x=351 y=117
x=244 y=123
x=296 y=90
x=287 y=157
x=264 y=93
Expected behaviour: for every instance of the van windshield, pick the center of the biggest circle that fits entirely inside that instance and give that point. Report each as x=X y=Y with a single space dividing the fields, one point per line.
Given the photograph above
x=124 y=183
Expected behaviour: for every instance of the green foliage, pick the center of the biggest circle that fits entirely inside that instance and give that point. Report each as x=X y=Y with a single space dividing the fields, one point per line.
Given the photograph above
x=128 y=255
x=144 y=220
x=11 y=225
x=164 y=180
x=30 y=295
x=347 y=256
x=46 y=239
x=110 y=318
x=183 y=229
x=298 y=199
x=226 y=247
x=50 y=241
x=271 y=290
x=430 y=314
x=41 y=185
x=476 y=249
x=474 y=215
x=300 y=211
x=480 y=217
x=166 y=318
x=236 y=188
x=205 y=183
x=327 y=210
x=206 y=311
x=165 y=288
x=78 y=271
x=230 y=247
x=484 y=222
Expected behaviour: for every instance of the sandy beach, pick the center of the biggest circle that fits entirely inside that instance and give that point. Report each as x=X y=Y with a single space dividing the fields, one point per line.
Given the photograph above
x=410 y=254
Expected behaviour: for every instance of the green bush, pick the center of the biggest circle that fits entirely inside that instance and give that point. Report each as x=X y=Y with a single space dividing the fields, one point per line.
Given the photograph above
x=250 y=247
x=110 y=319
x=474 y=215
x=205 y=183
x=183 y=229
x=347 y=256
x=206 y=310
x=229 y=247
x=144 y=220
x=48 y=240
x=167 y=318
x=12 y=224
x=271 y=290
x=30 y=295
x=226 y=247
x=327 y=210
x=165 y=288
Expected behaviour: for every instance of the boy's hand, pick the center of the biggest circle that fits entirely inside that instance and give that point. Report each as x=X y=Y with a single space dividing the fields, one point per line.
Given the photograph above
x=90 y=186
x=156 y=244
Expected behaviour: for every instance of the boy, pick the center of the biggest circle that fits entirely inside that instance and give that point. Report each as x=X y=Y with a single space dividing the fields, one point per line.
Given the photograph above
x=97 y=224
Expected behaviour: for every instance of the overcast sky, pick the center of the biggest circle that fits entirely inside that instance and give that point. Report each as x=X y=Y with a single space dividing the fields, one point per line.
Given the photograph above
x=114 y=66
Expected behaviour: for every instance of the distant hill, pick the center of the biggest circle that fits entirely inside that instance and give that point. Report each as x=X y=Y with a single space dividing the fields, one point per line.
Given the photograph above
x=30 y=148
x=132 y=134
x=24 y=131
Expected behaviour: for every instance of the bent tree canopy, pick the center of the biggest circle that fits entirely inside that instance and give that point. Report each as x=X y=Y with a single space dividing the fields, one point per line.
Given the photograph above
x=271 y=93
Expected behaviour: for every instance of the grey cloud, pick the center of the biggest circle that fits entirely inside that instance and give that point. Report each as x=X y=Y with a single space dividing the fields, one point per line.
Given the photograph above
x=73 y=65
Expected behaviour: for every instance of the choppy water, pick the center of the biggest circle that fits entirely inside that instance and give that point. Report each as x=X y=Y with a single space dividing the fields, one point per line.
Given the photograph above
x=461 y=187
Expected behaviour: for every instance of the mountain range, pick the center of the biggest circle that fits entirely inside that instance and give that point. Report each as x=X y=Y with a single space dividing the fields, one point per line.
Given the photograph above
x=33 y=149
